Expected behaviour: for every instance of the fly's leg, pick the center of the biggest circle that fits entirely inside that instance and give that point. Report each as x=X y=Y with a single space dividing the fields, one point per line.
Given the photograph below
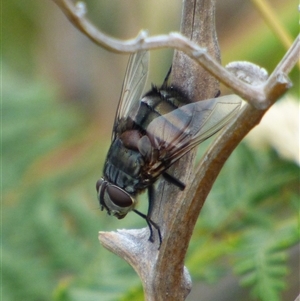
x=147 y=218
x=174 y=181
x=149 y=221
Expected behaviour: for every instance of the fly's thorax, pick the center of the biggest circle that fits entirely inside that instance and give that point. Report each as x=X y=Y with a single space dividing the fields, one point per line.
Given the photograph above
x=115 y=200
x=123 y=166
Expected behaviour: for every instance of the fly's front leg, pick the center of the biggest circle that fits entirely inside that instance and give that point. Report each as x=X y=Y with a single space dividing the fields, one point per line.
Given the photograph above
x=149 y=221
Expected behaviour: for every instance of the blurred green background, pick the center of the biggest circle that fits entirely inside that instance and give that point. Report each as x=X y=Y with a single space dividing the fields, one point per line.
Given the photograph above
x=59 y=96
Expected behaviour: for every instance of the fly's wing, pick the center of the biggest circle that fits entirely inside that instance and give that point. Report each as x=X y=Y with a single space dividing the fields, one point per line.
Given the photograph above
x=133 y=86
x=176 y=133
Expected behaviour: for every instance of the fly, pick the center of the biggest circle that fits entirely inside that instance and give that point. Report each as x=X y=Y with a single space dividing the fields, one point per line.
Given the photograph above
x=151 y=133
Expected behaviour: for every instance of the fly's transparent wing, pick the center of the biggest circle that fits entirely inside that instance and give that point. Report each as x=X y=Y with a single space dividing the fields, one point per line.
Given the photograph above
x=133 y=86
x=176 y=133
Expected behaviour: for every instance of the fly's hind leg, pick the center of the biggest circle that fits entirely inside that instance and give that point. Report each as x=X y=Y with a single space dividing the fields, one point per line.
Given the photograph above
x=173 y=180
x=150 y=207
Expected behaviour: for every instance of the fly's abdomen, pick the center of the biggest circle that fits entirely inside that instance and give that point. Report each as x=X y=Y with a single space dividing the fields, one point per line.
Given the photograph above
x=156 y=103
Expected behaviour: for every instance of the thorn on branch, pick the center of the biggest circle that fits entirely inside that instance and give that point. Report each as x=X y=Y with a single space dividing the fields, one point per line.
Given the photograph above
x=283 y=79
x=199 y=52
x=81 y=9
x=140 y=39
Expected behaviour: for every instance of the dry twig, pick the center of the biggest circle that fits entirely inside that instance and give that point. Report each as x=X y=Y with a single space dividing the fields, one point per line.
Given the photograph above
x=256 y=96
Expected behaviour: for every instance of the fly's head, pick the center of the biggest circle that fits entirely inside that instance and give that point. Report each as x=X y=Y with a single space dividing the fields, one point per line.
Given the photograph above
x=115 y=200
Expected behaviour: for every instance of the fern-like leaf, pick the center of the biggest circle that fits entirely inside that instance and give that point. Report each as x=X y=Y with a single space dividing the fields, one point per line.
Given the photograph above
x=262 y=261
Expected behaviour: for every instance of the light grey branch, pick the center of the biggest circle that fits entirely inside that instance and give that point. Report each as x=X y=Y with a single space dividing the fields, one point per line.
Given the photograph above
x=257 y=96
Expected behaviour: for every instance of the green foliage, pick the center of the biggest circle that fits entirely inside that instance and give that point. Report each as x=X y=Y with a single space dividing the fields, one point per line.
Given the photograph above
x=50 y=220
x=134 y=294
x=262 y=259
x=52 y=154
x=250 y=226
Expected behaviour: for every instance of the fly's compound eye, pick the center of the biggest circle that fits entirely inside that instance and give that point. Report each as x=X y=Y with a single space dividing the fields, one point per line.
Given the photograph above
x=113 y=199
x=119 y=197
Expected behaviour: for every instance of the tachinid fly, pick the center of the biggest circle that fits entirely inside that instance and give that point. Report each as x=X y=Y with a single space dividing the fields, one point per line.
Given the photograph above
x=151 y=133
